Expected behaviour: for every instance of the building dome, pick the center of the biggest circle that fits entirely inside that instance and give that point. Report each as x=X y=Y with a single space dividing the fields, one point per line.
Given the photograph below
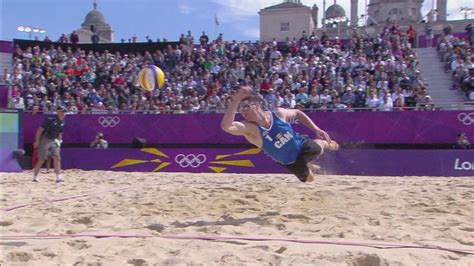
x=335 y=11
x=95 y=17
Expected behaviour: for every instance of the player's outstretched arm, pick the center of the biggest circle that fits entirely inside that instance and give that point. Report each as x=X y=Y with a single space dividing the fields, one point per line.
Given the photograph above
x=295 y=114
x=228 y=123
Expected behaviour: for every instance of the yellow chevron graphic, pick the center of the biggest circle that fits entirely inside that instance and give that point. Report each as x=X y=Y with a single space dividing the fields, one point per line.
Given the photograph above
x=246 y=163
x=161 y=166
x=217 y=169
x=154 y=151
x=127 y=162
x=246 y=152
x=249 y=151
x=243 y=163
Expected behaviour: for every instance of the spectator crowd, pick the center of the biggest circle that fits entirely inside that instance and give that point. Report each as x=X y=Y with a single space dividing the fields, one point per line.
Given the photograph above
x=458 y=56
x=312 y=73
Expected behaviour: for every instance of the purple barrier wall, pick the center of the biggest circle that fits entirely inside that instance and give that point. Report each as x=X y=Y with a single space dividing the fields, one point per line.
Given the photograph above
x=3 y=96
x=414 y=127
x=343 y=162
x=6 y=47
x=196 y=160
x=8 y=163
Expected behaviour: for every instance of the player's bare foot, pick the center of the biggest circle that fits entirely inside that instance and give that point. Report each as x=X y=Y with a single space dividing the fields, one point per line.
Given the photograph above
x=332 y=146
x=314 y=168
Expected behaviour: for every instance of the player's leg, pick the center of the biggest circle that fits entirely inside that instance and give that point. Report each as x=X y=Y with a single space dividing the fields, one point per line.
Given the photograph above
x=37 y=168
x=314 y=168
x=311 y=176
x=57 y=168
x=55 y=154
x=42 y=154
x=332 y=146
x=314 y=149
x=303 y=167
x=48 y=163
x=301 y=170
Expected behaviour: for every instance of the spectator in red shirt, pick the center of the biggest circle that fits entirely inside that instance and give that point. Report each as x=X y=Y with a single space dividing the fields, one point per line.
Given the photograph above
x=411 y=32
x=266 y=86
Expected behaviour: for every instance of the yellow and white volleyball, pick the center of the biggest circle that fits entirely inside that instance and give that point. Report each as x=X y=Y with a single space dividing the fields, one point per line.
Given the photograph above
x=151 y=77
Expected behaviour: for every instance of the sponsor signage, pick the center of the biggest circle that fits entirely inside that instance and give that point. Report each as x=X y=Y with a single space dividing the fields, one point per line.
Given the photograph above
x=373 y=162
x=413 y=127
x=463 y=166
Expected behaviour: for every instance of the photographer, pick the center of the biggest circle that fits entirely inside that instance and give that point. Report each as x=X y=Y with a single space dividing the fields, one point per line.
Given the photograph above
x=99 y=142
x=462 y=142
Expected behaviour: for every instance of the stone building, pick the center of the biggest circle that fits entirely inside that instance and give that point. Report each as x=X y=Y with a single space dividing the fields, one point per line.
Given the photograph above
x=288 y=19
x=285 y=20
x=95 y=23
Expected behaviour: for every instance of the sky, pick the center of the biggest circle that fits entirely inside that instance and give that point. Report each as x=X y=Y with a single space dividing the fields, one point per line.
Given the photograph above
x=238 y=19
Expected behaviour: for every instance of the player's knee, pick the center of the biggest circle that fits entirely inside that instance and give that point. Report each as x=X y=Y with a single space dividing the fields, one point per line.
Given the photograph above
x=304 y=178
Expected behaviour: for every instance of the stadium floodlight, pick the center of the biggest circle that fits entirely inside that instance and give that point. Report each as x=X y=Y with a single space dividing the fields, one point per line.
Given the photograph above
x=30 y=30
x=466 y=10
x=336 y=21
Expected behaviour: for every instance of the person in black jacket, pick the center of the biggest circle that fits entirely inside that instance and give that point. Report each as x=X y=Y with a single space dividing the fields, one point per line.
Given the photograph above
x=48 y=140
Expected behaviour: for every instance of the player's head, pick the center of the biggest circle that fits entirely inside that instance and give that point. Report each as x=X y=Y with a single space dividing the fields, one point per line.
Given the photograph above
x=61 y=111
x=250 y=107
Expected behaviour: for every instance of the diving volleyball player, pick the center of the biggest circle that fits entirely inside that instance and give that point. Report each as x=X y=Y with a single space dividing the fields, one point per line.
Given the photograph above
x=272 y=132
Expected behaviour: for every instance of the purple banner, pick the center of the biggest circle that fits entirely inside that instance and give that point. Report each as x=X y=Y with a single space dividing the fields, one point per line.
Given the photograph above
x=413 y=127
x=343 y=162
x=194 y=160
x=6 y=47
x=8 y=164
x=3 y=96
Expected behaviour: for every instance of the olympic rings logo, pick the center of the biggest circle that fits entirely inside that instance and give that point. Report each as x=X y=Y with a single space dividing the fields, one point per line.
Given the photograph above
x=466 y=119
x=190 y=160
x=108 y=121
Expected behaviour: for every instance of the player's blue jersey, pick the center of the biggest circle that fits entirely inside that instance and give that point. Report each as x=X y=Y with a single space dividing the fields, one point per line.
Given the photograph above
x=280 y=142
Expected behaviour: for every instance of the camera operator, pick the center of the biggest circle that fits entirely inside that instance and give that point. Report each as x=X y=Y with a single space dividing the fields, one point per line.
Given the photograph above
x=462 y=142
x=99 y=142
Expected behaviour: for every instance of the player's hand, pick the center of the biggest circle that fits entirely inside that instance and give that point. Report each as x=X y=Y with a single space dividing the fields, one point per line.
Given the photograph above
x=324 y=135
x=244 y=92
x=58 y=142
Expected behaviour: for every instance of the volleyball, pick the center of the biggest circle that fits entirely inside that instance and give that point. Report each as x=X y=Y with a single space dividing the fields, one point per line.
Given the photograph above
x=151 y=77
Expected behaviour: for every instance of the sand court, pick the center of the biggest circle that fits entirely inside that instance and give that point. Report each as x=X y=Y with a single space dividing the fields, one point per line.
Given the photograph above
x=175 y=218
